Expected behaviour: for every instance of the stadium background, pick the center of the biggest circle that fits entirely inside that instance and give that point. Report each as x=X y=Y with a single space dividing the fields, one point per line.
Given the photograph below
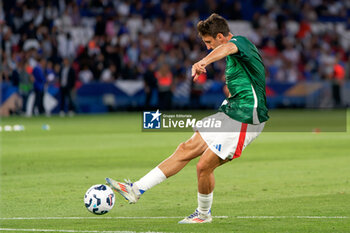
x=293 y=179
x=134 y=55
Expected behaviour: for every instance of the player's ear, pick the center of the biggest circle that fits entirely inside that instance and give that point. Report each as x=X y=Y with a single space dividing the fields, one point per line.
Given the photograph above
x=219 y=36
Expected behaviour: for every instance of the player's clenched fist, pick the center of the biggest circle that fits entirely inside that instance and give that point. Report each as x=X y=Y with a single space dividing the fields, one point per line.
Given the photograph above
x=197 y=69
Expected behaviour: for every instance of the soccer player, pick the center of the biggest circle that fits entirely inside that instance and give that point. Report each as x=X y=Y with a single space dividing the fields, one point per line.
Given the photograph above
x=243 y=115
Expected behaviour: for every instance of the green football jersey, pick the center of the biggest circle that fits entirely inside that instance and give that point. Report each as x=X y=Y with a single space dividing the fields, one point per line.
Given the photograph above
x=245 y=79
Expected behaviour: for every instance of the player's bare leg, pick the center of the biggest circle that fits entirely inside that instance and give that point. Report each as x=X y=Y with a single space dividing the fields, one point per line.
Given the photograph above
x=185 y=152
x=206 y=183
x=205 y=171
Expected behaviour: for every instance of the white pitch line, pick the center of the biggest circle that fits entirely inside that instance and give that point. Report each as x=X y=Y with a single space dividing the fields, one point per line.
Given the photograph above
x=121 y=217
x=171 y=217
x=56 y=230
x=302 y=217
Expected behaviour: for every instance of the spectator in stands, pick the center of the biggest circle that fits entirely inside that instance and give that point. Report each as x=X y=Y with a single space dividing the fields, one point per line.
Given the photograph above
x=39 y=85
x=66 y=46
x=67 y=83
x=164 y=77
x=197 y=89
x=133 y=53
x=50 y=73
x=100 y=27
x=109 y=74
x=287 y=73
x=129 y=71
x=25 y=84
x=290 y=53
x=338 y=83
x=236 y=13
x=85 y=75
x=14 y=76
x=151 y=84
x=98 y=67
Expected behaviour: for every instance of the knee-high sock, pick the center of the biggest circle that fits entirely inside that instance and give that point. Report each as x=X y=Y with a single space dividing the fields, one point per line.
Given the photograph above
x=151 y=179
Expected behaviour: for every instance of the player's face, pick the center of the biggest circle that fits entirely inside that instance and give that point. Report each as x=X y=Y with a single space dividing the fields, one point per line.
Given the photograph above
x=212 y=43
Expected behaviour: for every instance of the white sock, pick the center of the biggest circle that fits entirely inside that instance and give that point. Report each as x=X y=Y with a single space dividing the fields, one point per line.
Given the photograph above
x=204 y=202
x=151 y=179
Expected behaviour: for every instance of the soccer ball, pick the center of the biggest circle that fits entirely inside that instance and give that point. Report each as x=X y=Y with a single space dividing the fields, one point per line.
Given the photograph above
x=99 y=199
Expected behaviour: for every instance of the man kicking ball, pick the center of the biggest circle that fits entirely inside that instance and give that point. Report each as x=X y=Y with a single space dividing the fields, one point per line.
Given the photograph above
x=242 y=115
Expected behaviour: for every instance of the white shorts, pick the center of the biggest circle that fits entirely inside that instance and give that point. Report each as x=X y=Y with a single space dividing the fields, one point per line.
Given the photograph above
x=230 y=140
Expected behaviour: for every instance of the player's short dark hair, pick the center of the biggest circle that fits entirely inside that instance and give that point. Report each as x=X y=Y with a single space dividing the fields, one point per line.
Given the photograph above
x=212 y=26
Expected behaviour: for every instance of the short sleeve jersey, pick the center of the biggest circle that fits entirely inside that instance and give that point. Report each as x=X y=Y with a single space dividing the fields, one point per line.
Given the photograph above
x=245 y=79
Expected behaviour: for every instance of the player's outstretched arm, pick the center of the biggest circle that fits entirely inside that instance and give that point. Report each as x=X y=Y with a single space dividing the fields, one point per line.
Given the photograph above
x=218 y=53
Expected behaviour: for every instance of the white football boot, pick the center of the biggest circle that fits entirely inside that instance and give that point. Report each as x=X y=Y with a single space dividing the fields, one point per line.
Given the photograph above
x=127 y=190
x=197 y=217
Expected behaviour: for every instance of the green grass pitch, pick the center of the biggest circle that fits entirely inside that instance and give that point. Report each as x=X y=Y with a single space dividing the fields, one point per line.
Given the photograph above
x=299 y=180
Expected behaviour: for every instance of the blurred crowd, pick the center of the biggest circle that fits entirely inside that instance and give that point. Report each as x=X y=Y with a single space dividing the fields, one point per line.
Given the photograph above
x=294 y=48
x=68 y=43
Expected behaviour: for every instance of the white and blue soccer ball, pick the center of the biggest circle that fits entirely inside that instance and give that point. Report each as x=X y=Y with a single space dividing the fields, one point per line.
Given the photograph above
x=99 y=199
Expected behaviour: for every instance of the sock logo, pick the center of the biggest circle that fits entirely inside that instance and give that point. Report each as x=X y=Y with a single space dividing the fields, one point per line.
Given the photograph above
x=151 y=120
